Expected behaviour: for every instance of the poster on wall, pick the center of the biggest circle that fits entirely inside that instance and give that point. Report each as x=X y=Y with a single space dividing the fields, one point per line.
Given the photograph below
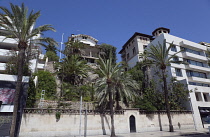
x=7 y=95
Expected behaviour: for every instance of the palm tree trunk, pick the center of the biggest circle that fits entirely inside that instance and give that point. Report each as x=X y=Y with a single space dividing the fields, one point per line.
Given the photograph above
x=171 y=129
x=111 y=110
x=15 y=119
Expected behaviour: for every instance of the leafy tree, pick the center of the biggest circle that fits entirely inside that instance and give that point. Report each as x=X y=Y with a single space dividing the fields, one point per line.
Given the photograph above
x=178 y=94
x=52 y=56
x=46 y=81
x=106 y=50
x=159 y=56
x=150 y=99
x=19 y=25
x=31 y=94
x=73 y=93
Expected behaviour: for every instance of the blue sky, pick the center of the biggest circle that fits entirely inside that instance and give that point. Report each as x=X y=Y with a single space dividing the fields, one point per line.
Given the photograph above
x=115 y=21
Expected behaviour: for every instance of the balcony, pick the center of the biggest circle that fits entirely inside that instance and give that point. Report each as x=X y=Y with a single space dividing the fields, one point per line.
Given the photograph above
x=2 y=66
x=8 y=40
x=4 y=52
x=194 y=56
x=190 y=44
x=197 y=79
x=198 y=68
x=40 y=66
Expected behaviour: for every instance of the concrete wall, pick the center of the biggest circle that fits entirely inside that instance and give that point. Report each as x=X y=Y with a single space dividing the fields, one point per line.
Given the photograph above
x=45 y=125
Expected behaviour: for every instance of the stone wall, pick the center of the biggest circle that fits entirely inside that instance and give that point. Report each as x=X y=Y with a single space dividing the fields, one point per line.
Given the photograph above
x=42 y=124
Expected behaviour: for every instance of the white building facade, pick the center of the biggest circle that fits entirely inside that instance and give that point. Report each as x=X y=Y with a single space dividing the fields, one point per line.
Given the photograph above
x=90 y=50
x=7 y=46
x=195 y=73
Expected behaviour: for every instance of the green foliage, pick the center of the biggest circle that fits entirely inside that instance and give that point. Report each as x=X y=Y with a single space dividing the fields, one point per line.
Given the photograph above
x=73 y=48
x=46 y=81
x=73 y=93
x=113 y=78
x=58 y=115
x=208 y=55
x=150 y=100
x=31 y=99
x=107 y=50
x=178 y=94
x=12 y=65
x=73 y=69
x=137 y=74
x=52 y=56
x=51 y=48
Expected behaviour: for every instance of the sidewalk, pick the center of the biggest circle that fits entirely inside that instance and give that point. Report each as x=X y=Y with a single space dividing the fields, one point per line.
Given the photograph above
x=176 y=133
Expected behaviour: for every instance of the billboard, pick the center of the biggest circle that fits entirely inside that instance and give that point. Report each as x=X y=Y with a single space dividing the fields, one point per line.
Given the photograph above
x=7 y=95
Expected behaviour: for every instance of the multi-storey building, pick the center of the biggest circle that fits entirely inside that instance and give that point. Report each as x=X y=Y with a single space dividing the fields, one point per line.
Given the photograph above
x=91 y=49
x=195 y=73
x=7 y=46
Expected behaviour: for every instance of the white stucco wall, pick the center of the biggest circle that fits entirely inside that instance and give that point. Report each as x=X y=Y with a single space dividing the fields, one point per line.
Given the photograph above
x=86 y=41
x=45 y=125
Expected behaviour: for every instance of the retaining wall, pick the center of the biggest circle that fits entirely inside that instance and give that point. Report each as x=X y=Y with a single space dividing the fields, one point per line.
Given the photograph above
x=44 y=124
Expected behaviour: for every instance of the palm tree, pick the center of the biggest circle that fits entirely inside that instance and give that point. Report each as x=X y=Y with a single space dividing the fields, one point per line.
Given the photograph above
x=19 y=25
x=114 y=84
x=73 y=47
x=159 y=55
x=74 y=69
x=125 y=88
x=104 y=85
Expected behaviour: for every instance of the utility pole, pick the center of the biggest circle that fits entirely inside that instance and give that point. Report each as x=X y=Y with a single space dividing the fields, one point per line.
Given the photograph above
x=80 y=113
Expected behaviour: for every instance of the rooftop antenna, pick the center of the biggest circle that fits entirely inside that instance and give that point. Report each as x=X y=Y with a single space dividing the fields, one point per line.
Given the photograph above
x=61 y=47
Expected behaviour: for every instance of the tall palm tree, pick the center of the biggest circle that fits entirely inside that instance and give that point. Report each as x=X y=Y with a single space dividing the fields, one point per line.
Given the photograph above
x=114 y=84
x=19 y=25
x=105 y=87
x=159 y=55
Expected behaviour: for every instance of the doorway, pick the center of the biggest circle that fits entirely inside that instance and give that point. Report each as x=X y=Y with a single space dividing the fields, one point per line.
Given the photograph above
x=132 y=124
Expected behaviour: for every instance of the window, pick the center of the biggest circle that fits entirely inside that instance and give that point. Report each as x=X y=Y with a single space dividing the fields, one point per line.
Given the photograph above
x=83 y=37
x=198 y=96
x=175 y=59
x=192 y=51
x=173 y=48
x=178 y=72
x=134 y=51
x=191 y=73
x=206 y=97
x=144 y=46
x=132 y=41
x=199 y=84
x=128 y=56
x=196 y=63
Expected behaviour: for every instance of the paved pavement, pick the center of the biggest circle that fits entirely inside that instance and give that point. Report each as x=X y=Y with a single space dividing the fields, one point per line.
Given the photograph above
x=177 y=133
